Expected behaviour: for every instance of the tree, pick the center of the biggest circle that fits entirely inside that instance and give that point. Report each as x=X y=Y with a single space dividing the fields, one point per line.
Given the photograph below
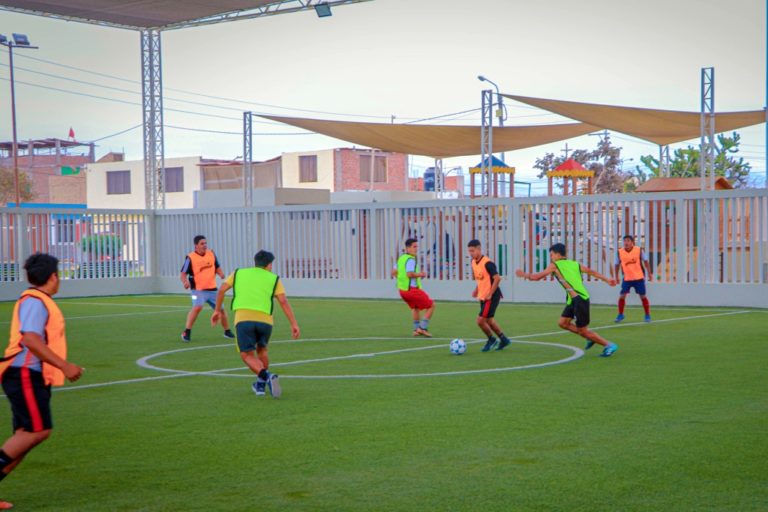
x=686 y=164
x=605 y=160
x=8 y=187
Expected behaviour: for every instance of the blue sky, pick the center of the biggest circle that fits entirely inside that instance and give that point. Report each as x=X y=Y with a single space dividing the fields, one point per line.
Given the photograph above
x=408 y=58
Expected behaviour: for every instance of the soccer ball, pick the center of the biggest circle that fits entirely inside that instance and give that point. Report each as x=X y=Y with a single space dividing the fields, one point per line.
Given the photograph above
x=458 y=346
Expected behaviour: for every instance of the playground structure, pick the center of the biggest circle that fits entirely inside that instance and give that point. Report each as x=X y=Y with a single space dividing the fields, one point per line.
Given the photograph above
x=574 y=173
x=497 y=169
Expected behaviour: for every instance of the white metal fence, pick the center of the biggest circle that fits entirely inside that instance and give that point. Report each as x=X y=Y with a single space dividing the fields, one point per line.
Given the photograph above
x=90 y=244
x=689 y=238
x=692 y=237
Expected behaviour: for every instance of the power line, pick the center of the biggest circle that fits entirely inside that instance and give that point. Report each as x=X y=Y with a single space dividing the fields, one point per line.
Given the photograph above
x=444 y=115
x=133 y=103
x=117 y=133
x=187 y=128
x=221 y=98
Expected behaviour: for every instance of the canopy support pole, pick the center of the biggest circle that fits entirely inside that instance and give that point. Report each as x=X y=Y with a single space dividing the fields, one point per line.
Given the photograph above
x=152 y=109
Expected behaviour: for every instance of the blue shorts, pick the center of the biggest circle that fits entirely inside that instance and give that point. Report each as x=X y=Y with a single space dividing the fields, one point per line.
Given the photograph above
x=638 y=285
x=252 y=334
x=202 y=297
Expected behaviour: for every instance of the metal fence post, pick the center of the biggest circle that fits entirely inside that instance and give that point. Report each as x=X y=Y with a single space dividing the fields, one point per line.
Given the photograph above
x=681 y=244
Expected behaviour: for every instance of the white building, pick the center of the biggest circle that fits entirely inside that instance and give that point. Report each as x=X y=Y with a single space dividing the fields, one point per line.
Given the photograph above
x=120 y=185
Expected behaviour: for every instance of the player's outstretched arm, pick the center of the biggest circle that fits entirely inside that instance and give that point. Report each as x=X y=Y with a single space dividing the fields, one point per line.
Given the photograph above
x=286 y=307
x=217 y=311
x=538 y=276
x=586 y=270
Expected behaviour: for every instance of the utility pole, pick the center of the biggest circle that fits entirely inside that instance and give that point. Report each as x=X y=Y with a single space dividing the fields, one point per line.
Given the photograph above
x=18 y=41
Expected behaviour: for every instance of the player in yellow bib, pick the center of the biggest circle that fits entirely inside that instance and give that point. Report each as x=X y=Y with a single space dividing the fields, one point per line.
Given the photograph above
x=575 y=316
x=253 y=291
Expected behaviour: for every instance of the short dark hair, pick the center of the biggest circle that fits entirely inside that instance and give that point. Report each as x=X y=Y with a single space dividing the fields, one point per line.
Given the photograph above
x=628 y=237
x=474 y=243
x=263 y=258
x=198 y=238
x=40 y=267
x=558 y=249
x=410 y=242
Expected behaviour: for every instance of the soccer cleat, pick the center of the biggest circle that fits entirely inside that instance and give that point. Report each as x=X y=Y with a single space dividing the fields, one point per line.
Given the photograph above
x=186 y=338
x=589 y=345
x=503 y=343
x=259 y=387
x=274 y=385
x=4 y=505
x=229 y=334
x=426 y=333
x=619 y=317
x=418 y=332
x=609 y=350
x=488 y=345
x=648 y=318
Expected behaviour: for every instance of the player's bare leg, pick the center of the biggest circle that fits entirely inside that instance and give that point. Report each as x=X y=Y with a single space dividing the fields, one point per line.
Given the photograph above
x=192 y=316
x=416 y=322
x=483 y=324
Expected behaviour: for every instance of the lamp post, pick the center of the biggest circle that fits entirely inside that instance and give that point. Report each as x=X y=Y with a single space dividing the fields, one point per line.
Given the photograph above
x=500 y=112
x=17 y=41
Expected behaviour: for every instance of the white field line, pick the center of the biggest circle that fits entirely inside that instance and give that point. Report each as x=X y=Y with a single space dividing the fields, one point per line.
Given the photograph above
x=331 y=299
x=181 y=373
x=95 y=317
x=115 y=304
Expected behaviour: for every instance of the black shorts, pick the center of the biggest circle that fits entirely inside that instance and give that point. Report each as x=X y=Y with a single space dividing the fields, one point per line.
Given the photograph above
x=30 y=399
x=578 y=309
x=252 y=334
x=488 y=307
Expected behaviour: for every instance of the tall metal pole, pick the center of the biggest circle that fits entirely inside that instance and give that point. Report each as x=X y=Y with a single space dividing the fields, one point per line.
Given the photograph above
x=13 y=123
x=707 y=150
x=486 y=142
x=247 y=159
x=152 y=104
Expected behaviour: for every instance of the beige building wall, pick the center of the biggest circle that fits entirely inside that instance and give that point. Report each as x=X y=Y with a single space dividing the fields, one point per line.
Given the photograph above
x=96 y=176
x=325 y=170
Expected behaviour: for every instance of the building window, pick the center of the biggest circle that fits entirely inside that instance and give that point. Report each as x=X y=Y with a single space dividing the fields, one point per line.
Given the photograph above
x=308 y=169
x=379 y=169
x=174 y=179
x=118 y=182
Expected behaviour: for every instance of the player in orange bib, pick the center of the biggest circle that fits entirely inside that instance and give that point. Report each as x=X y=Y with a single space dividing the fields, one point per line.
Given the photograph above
x=198 y=274
x=489 y=294
x=631 y=260
x=34 y=360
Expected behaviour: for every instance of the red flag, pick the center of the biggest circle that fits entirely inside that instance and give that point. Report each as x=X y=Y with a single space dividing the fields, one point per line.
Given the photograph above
x=71 y=133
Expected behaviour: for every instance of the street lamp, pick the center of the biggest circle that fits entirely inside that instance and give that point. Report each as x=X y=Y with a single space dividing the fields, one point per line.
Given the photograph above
x=17 y=41
x=500 y=113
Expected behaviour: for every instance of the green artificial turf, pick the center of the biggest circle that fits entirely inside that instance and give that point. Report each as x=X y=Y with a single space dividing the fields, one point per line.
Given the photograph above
x=677 y=420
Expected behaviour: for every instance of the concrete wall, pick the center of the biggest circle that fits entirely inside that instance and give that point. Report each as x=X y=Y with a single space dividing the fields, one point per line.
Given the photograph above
x=87 y=288
x=363 y=197
x=96 y=175
x=211 y=199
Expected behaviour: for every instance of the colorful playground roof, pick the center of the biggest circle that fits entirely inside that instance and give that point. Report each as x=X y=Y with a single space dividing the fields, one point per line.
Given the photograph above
x=570 y=169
